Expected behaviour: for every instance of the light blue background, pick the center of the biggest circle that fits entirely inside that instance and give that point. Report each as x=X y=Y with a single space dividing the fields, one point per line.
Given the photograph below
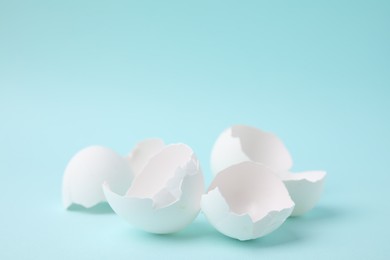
x=77 y=73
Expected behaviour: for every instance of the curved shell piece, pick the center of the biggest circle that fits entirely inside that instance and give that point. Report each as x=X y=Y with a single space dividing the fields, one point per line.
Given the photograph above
x=241 y=143
x=86 y=172
x=305 y=189
x=246 y=201
x=244 y=143
x=143 y=152
x=165 y=196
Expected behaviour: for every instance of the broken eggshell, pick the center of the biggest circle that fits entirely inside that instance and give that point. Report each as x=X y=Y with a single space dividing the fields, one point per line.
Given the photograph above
x=305 y=189
x=241 y=143
x=246 y=201
x=165 y=196
x=143 y=152
x=86 y=172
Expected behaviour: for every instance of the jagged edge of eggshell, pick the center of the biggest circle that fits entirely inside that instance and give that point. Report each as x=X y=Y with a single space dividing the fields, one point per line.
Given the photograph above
x=305 y=189
x=142 y=153
x=227 y=142
x=219 y=214
x=122 y=203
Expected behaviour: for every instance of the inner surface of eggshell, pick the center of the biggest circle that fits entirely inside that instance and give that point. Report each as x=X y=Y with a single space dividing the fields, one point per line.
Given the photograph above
x=226 y=151
x=143 y=152
x=172 y=190
x=165 y=196
x=263 y=147
x=145 y=214
x=160 y=170
x=252 y=189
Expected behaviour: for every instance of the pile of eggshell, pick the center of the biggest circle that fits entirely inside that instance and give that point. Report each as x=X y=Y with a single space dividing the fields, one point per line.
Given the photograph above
x=160 y=188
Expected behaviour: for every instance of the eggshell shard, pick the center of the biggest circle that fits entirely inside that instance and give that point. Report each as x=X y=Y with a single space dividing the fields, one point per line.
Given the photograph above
x=246 y=201
x=143 y=152
x=165 y=196
x=305 y=189
x=241 y=143
x=86 y=172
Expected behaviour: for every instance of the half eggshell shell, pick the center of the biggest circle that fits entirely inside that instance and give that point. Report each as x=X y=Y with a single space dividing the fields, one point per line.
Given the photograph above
x=143 y=152
x=241 y=143
x=305 y=189
x=86 y=172
x=246 y=201
x=165 y=196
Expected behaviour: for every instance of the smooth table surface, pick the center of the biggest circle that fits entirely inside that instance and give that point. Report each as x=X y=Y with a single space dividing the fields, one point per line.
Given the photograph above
x=74 y=74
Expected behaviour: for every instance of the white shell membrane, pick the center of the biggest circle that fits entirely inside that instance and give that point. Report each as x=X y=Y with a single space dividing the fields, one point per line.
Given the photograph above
x=142 y=153
x=241 y=143
x=247 y=201
x=305 y=189
x=165 y=196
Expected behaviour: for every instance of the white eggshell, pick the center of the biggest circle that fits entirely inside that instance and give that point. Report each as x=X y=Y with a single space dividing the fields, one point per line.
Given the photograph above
x=246 y=201
x=142 y=153
x=165 y=196
x=86 y=172
x=305 y=189
x=241 y=143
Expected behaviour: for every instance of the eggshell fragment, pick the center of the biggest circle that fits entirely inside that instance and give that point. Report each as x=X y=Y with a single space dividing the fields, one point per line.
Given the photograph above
x=87 y=170
x=305 y=189
x=142 y=153
x=165 y=196
x=244 y=143
x=246 y=201
x=241 y=143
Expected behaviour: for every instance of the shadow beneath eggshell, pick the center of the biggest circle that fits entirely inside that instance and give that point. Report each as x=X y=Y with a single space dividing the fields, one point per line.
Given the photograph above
x=282 y=236
x=202 y=230
x=319 y=215
x=199 y=229
x=99 y=209
x=294 y=230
